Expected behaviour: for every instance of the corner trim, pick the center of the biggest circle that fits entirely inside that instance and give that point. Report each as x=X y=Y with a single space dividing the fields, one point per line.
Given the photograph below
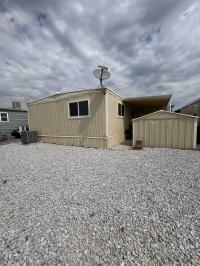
x=195 y=134
x=106 y=115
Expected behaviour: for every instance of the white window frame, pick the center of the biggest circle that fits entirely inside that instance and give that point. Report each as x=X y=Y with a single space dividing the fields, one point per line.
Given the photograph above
x=120 y=116
x=77 y=101
x=7 y=117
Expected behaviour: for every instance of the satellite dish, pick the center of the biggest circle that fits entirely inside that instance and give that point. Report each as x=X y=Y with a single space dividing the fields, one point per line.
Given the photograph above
x=101 y=73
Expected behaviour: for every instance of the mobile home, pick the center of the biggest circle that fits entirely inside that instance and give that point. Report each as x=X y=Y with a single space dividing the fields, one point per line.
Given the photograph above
x=97 y=118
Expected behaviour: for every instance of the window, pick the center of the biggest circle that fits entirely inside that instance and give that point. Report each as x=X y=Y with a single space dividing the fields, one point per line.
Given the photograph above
x=3 y=117
x=83 y=108
x=120 y=109
x=73 y=109
x=79 y=109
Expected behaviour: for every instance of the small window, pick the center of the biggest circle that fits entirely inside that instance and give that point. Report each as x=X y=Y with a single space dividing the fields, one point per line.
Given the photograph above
x=4 y=117
x=79 y=109
x=73 y=109
x=83 y=108
x=120 y=109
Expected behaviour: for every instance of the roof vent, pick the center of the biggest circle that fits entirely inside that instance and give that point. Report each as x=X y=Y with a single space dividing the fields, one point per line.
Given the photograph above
x=16 y=105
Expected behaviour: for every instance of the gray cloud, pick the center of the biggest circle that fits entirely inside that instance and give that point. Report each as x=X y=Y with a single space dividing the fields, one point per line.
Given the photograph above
x=150 y=46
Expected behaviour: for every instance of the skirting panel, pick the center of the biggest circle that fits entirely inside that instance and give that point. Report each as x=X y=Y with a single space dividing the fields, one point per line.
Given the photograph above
x=77 y=141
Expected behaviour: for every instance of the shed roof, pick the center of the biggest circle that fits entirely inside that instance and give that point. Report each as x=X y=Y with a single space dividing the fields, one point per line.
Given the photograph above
x=164 y=112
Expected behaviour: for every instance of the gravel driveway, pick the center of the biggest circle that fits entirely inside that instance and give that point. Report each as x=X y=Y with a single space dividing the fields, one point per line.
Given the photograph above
x=82 y=206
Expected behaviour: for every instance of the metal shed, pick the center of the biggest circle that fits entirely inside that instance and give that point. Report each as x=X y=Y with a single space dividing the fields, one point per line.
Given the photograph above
x=165 y=129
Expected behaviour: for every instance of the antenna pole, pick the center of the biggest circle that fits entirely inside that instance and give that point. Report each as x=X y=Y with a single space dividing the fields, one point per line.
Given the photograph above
x=101 y=83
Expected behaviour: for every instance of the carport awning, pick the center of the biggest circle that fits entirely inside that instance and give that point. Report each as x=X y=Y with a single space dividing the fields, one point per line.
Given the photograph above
x=151 y=101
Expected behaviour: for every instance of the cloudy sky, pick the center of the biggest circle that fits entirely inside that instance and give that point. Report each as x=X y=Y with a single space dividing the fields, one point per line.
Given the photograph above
x=150 y=46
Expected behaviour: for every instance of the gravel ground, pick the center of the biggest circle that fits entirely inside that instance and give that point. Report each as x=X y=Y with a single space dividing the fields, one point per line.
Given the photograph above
x=80 y=206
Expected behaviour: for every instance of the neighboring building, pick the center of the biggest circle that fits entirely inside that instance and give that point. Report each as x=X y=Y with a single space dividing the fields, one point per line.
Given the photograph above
x=11 y=119
x=192 y=108
x=93 y=118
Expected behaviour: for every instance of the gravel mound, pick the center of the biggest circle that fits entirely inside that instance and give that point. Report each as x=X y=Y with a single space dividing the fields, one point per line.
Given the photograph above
x=82 y=206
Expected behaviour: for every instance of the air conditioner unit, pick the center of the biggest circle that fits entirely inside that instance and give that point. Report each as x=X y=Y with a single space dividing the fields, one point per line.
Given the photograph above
x=29 y=137
x=16 y=105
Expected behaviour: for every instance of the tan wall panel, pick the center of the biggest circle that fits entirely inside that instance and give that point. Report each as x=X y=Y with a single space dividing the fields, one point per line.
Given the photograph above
x=162 y=133
x=175 y=140
x=115 y=123
x=51 y=119
x=165 y=131
x=189 y=133
x=146 y=132
x=181 y=134
x=119 y=138
x=157 y=133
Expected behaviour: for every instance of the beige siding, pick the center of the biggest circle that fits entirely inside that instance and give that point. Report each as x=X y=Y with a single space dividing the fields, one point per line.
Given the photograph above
x=167 y=130
x=115 y=140
x=50 y=118
x=115 y=123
